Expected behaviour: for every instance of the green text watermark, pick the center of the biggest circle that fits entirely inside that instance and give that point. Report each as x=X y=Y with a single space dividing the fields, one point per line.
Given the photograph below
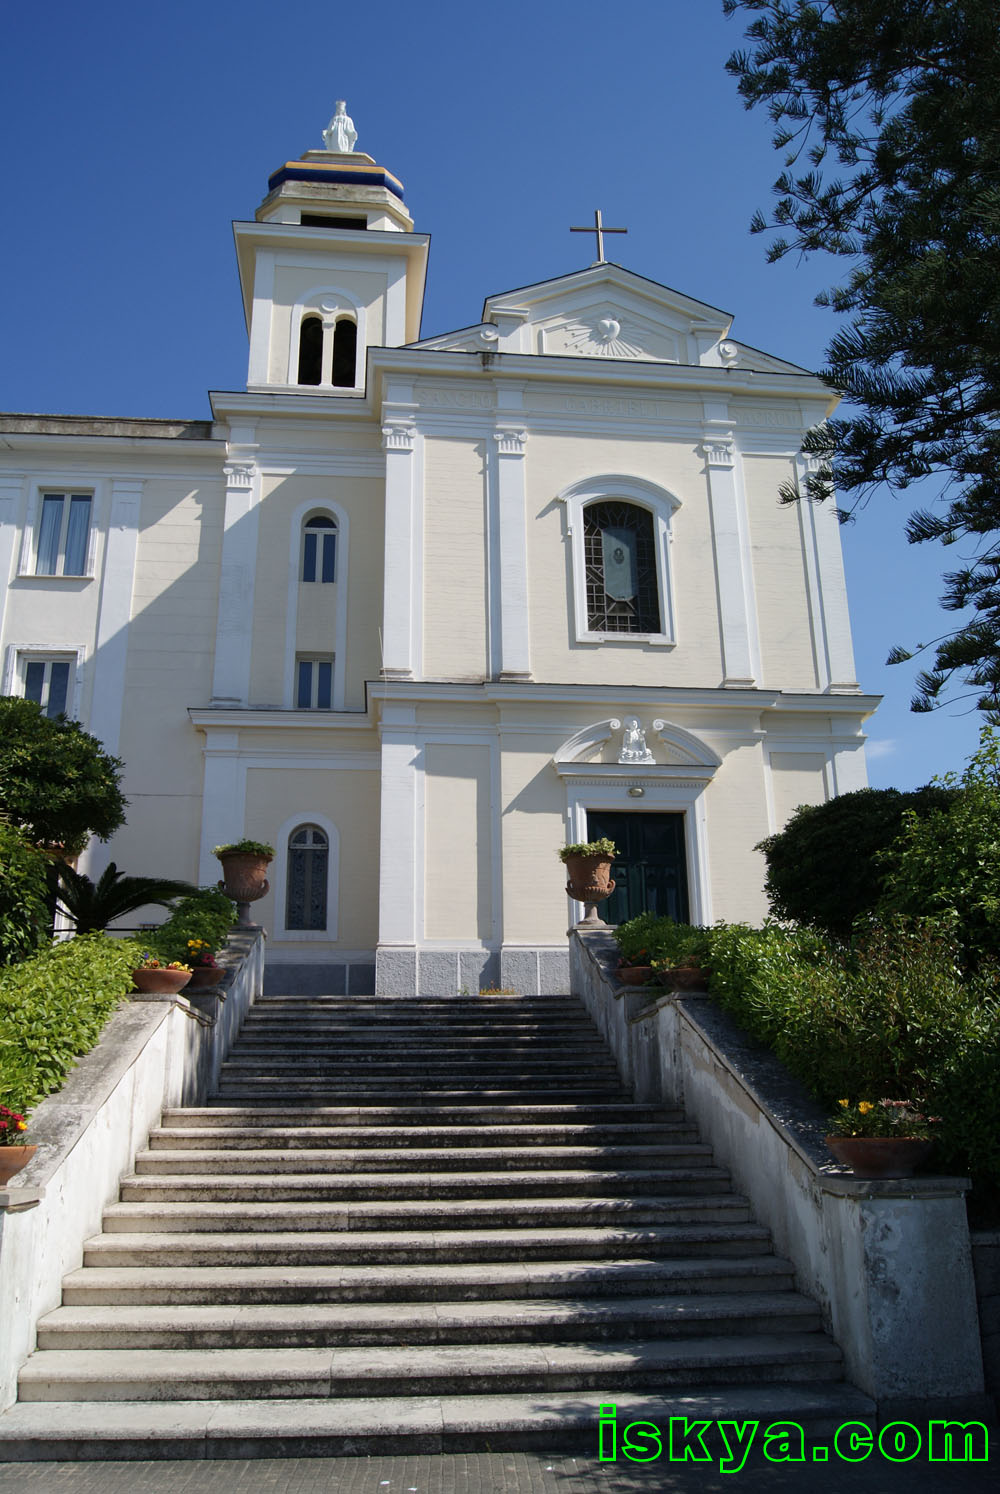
x=729 y=1442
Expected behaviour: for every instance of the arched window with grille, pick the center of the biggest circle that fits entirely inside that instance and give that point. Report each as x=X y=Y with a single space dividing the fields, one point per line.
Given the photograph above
x=619 y=529
x=306 y=878
x=620 y=559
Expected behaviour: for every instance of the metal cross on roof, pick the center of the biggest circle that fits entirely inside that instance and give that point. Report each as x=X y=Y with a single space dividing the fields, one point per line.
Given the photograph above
x=600 y=231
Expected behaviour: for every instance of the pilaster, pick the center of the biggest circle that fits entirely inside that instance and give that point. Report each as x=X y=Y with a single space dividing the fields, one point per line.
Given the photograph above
x=400 y=861
x=223 y=800
x=511 y=553
x=234 y=631
x=11 y=493
x=115 y=611
x=403 y=547
x=833 y=647
x=734 y=578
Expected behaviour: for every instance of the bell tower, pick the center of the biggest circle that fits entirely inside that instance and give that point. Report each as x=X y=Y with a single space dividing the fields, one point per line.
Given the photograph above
x=330 y=267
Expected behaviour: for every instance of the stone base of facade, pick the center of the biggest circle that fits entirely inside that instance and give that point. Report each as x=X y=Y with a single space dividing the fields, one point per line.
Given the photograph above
x=527 y=969
x=336 y=978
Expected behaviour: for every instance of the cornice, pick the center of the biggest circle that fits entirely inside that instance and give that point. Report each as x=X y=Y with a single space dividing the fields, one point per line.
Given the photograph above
x=721 y=383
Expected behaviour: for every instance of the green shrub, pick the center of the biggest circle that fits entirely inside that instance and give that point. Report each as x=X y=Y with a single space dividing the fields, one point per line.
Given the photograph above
x=653 y=939
x=825 y=867
x=24 y=899
x=946 y=864
x=207 y=914
x=56 y=781
x=893 y=1016
x=52 y=1010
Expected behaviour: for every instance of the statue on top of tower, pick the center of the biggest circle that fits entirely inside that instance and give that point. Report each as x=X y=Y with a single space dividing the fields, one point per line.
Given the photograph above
x=340 y=134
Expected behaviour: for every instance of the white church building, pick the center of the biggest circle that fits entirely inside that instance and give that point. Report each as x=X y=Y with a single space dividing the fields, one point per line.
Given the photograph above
x=417 y=611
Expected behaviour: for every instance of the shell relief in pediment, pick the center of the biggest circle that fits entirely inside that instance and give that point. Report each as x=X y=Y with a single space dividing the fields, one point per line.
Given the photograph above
x=610 y=332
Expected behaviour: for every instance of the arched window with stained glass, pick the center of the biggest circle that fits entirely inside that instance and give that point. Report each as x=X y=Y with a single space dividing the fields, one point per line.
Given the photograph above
x=620 y=567
x=308 y=867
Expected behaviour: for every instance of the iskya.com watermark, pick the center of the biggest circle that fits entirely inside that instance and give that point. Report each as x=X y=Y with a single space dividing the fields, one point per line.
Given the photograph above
x=728 y=1442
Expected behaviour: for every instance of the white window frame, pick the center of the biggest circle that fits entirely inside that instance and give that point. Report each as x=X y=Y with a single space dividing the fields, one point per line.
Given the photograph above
x=66 y=488
x=307 y=656
x=328 y=935
x=611 y=488
x=321 y=532
x=18 y=656
x=304 y=511
x=332 y=304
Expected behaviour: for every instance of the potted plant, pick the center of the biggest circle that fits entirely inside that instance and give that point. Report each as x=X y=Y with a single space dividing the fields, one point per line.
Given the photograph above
x=14 y=1153
x=156 y=976
x=655 y=948
x=244 y=872
x=681 y=964
x=588 y=864
x=205 y=968
x=881 y=1138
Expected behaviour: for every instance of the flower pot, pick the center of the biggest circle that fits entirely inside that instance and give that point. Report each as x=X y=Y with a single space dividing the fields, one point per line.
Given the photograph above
x=154 y=982
x=12 y=1159
x=244 y=879
x=880 y=1156
x=590 y=882
x=683 y=978
x=633 y=975
x=203 y=976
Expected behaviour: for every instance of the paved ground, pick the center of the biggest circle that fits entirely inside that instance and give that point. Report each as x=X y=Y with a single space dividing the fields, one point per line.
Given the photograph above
x=489 y=1473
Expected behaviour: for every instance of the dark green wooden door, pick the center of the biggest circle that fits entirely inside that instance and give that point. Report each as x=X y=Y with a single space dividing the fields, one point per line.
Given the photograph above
x=651 y=868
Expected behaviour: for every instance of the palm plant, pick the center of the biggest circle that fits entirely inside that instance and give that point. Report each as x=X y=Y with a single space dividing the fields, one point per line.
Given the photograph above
x=91 y=906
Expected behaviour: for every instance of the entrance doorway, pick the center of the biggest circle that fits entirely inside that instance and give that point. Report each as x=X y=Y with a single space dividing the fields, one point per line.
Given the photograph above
x=651 y=867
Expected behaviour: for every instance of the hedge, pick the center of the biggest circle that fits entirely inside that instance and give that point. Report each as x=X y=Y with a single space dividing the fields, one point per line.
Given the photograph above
x=53 y=1008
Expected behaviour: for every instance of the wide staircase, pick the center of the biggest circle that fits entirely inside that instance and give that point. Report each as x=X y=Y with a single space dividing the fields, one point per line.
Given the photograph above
x=418 y=1225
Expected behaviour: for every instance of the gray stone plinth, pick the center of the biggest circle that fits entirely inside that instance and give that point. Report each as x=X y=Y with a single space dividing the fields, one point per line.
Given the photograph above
x=437 y=972
x=395 y=972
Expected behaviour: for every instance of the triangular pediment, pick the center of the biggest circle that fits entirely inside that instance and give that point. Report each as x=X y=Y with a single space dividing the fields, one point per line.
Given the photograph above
x=607 y=312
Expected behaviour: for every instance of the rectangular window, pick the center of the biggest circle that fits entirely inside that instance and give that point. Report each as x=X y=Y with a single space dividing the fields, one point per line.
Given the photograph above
x=319 y=553
x=63 y=533
x=46 y=681
x=314 y=682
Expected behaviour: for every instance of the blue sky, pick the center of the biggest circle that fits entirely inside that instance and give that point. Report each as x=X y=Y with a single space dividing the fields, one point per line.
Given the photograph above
x=133 y=135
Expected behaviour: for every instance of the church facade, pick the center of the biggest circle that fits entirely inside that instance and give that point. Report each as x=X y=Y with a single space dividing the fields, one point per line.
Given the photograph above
x=419 y=611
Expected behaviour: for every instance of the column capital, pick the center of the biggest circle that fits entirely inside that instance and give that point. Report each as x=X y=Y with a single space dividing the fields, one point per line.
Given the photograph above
x=399 y=436
x=510 y=442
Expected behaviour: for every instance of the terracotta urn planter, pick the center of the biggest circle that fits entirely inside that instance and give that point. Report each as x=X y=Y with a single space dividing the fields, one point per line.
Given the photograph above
x=12 y=1159
x=160 y=982
x=683 y=978
x=204 y=976
x=633 y=975
x=880 y=1156
x=590 y=882
x=244 y=879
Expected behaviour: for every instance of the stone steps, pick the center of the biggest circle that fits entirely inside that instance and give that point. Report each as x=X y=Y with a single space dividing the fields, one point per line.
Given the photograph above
x=422 y=1138
x=320 y=1325
x=481 y=1281
x=410 y=1225
x=281 y=1187
x=415 y=1369
x=320 y=1159
x=358 y=1247
x=419 y=1215
x=372 y=1426
x=401 y=1115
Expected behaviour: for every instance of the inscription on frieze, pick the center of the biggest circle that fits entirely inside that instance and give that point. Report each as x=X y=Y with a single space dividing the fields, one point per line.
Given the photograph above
x=776 y=419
